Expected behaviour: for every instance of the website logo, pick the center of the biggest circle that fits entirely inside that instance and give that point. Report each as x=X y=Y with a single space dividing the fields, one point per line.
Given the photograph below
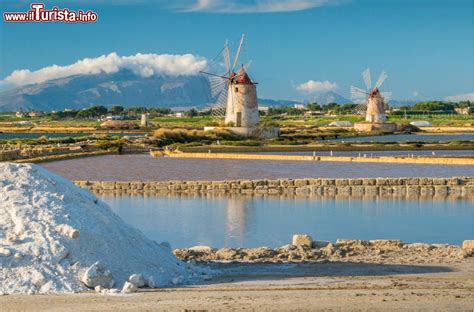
x=38 y=14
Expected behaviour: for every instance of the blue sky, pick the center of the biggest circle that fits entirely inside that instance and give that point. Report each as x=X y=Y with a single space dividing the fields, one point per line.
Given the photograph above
x=426 y=46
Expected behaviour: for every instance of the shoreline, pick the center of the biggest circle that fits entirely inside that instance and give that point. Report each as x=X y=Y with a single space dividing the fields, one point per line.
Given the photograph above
x=304 y=250
x=283 y=287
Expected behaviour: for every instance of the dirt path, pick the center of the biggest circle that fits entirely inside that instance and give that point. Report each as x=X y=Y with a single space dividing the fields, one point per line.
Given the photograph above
x=315 y=286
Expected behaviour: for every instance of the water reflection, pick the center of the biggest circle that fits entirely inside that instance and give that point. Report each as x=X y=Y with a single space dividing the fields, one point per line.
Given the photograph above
x=252 y=221
x=239 y=215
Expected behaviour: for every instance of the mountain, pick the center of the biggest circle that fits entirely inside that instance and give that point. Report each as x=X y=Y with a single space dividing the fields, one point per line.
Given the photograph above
x=122 y=88
x=329 y=97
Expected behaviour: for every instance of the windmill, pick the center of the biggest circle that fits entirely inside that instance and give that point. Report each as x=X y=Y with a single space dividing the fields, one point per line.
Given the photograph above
x=236 y=93
x=371 y=102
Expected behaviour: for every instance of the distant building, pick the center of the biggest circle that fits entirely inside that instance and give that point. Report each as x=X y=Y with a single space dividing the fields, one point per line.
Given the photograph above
x=263 y=109
x=463 y=110
x=179 y=114
x=314 y=113
x=114 y=117
x=144 y=120
x=35 y=114
x=20 y=114
x=300 y=106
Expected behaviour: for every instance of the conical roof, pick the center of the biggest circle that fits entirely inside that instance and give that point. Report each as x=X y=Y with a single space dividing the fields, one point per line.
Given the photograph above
x=242 y=77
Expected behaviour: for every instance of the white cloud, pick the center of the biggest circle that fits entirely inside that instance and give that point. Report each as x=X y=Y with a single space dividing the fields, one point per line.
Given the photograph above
x=460 y=97
x=144 y=65
x=415 y=93
x=312 y=86
x=253 y=6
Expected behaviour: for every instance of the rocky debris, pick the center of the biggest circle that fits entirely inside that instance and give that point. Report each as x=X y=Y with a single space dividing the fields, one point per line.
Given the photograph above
x=302 y=240
x=468 y=244
x=150 y=282
x=371 y=251
x=137 y=279
x=99 y=289
x=98 y=275
x=320 y=244
x=129 y=288
x=5 y=252
x=68 y=231
x=201 y=248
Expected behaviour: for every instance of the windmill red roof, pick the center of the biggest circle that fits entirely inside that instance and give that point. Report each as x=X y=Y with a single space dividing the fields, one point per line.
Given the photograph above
x=242 y=77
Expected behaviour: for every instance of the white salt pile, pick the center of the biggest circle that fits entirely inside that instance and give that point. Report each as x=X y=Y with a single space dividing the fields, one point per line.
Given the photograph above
x=51 y=232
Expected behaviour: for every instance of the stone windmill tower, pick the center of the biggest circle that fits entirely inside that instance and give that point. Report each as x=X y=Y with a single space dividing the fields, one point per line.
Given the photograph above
x=373 y=104
x=242 y=107
x=376 y=107
x=236 y=93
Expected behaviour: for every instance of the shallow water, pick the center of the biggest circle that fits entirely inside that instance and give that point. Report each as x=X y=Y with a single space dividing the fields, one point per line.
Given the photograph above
x=412 y=138
x=241 y=221
x=146 y=168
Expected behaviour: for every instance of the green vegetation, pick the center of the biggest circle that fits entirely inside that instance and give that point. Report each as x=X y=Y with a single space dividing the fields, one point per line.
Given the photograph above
x=178 y=136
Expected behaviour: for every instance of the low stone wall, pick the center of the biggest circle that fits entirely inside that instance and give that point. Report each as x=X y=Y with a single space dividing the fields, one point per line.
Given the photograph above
x=379 y=159
x=458 y=187
x=36 y=152
x=62 y=156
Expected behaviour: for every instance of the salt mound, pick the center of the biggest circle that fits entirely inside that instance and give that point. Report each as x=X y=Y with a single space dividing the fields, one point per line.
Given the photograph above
x=41 y=253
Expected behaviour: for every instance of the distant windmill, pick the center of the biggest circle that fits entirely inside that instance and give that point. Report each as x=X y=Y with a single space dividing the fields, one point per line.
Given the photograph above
x=236 y=93
x=371 y=102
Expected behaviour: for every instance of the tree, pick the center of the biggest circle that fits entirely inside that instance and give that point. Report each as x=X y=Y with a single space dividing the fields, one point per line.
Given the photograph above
x=92 y=112
x=434 y=106
x=192 y=112
x=116 y=109
x=314 y=107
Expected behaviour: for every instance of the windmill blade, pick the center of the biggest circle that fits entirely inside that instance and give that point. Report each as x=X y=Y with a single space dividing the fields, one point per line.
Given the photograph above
x=226 y=55
x=367 y=78
x=360 y=109
x=386 y=95
x=247 y=65
x=217 y=84
x=358 y=93
x=218 y=108
x=382 y=77
x=238 y=52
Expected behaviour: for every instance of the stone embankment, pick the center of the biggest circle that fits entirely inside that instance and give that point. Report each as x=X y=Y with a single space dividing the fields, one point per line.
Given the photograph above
x=11 y=154
x=456 y=187
x=41 y=153
x=379 y=159
x=344 y=250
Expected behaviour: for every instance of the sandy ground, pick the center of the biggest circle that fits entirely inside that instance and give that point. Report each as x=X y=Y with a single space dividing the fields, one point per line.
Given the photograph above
x=312 y=286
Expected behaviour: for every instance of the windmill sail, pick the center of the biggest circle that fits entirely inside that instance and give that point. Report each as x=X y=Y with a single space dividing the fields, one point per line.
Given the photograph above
x=382 y=77
x=220 y=83
x=367 y=79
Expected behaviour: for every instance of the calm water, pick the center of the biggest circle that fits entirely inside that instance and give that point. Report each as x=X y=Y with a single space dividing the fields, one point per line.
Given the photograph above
x=147 y=168
x=413 y=138
x=271 y=221
x=9 y=136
